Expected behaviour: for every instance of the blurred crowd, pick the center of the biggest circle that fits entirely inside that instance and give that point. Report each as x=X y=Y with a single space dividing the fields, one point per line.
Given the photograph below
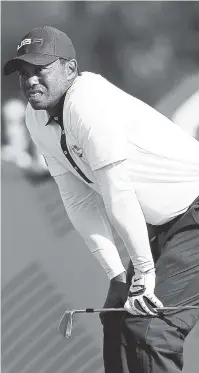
x=18 y=147
x=146 y=48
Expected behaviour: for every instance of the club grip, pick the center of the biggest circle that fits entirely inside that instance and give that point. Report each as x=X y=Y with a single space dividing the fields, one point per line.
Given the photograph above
x=89 y=310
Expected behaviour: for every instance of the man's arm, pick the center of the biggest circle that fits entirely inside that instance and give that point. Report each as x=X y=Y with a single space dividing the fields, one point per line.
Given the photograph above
x=125 y=213
x=89 y=218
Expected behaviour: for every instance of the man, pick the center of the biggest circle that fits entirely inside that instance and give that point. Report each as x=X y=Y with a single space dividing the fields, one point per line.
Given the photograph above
x=117 y=160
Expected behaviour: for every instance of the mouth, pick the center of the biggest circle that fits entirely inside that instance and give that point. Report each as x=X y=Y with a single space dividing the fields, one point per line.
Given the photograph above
x=36 y=94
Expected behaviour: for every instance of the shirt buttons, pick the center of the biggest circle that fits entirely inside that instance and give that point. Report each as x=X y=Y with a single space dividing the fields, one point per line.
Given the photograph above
x=63 y=132
x=76 y=168
x=65 y=152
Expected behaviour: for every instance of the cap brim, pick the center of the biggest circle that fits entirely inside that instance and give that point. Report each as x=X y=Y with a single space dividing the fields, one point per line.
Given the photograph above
x=33 y=58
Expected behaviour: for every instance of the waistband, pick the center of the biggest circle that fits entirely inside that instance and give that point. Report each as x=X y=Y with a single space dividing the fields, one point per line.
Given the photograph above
x=166 y=226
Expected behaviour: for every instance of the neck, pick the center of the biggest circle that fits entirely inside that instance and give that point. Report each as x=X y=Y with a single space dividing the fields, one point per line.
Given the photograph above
x=57 y=107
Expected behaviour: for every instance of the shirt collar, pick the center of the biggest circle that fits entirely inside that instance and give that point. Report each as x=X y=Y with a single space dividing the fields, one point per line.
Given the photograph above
x=58 y=112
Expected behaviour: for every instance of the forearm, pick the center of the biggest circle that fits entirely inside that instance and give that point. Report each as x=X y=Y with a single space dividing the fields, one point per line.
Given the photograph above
x=125 y=213
x=92 y=224
x=90 y=219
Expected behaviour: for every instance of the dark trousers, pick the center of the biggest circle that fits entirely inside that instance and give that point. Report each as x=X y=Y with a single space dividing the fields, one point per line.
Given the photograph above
x=137 y=344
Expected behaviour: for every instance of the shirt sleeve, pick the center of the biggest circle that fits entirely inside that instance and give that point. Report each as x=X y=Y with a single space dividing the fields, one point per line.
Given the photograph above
x=125 y=213
x=54 y=167
x=89 y=218
x=99 y=132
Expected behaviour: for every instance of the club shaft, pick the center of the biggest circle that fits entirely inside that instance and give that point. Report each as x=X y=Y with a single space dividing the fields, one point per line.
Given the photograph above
x=171 y=308
x=65 y=326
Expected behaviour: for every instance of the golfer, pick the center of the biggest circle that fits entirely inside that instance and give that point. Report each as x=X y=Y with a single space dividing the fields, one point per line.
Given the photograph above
x=119 y=162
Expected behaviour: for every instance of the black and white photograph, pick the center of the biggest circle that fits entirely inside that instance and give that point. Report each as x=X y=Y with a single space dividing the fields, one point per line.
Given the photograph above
x=99 y=186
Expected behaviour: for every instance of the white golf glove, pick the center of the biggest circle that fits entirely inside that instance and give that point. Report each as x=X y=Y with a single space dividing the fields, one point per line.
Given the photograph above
x=141 y=292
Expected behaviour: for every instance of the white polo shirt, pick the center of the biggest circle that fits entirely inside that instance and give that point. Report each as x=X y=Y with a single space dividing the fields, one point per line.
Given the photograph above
x=104 y=125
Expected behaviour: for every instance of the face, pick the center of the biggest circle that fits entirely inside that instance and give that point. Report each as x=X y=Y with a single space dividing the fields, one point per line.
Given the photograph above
x=43 y=86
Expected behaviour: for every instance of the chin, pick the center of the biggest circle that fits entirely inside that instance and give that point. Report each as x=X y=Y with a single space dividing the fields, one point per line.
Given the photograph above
x=38 y=105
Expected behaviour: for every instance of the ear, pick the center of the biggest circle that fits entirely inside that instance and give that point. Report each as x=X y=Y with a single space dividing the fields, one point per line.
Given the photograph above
x=71 y=67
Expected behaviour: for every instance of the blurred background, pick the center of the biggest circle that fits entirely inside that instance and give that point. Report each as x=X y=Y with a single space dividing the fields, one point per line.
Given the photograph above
x=149 y=49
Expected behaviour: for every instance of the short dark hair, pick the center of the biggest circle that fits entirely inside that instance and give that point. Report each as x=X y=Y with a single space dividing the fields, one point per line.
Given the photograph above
x=63 y=61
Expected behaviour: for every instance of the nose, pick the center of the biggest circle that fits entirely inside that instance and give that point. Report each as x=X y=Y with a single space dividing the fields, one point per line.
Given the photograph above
x=32 y=80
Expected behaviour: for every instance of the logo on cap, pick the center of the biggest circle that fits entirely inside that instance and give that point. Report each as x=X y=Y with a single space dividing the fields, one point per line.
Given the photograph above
x=29 y=41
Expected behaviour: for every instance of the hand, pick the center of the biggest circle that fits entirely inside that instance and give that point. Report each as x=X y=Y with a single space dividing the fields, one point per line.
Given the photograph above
x=117 y=294
x=141 y=294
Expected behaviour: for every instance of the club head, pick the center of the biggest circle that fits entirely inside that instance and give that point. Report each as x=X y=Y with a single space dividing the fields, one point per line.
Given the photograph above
x=66 y=323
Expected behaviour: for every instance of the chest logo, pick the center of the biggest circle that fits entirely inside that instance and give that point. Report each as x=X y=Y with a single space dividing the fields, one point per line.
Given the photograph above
x=77 y=150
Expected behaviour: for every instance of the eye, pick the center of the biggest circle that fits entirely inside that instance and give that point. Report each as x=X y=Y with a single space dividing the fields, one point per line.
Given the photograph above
x=21 y=73
x=39 y=69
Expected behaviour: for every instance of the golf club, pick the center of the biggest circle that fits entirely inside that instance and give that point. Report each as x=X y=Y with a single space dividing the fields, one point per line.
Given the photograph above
x=66 y=323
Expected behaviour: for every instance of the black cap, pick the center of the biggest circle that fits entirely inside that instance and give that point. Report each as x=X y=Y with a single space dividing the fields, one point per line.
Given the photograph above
x=41 y=46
